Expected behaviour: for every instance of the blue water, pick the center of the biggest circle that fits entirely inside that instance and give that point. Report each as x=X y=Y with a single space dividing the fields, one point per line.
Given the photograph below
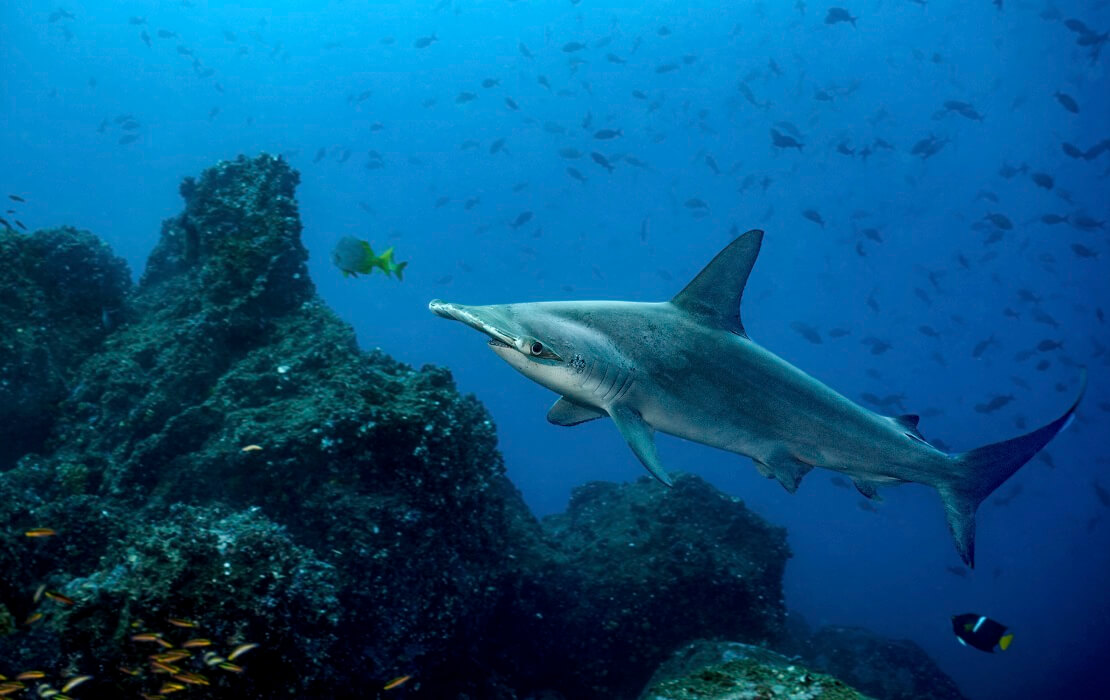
x=289 y=80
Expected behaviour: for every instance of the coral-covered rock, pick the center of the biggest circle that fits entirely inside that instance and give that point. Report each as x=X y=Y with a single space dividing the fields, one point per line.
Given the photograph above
x=892 y=669
x=706 y=670
x=375 y=483
x=635 y=570
x=61 y=292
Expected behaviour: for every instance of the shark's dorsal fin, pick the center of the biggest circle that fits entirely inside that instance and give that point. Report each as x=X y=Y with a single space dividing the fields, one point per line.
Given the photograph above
x=566 y=412
x=714 y=295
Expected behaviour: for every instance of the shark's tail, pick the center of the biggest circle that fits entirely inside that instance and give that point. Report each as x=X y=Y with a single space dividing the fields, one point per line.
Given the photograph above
x=977 y=473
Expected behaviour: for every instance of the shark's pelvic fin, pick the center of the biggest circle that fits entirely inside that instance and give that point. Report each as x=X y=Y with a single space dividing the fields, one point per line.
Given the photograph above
x=714 y=295
x=977 y=473
x=566 y=412
x=641 y=438
x=867 y=489
x=786 y=469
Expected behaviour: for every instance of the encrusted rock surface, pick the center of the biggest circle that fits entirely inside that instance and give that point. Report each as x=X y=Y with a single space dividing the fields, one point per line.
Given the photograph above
x=635 y=570
x=892 y=669
x=61 y=292
x=734 y=671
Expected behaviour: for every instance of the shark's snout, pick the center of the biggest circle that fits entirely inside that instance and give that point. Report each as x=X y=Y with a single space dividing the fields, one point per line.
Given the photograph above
x=486 y=319
x=441 y=308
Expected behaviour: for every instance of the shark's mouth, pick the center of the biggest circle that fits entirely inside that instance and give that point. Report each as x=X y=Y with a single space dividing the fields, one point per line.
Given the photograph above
x=494 y=342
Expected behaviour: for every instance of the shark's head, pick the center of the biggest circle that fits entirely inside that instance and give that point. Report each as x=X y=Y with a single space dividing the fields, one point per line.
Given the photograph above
x=535 y=338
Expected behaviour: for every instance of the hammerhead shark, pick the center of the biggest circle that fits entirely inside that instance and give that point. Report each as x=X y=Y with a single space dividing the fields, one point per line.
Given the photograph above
x=687 y=367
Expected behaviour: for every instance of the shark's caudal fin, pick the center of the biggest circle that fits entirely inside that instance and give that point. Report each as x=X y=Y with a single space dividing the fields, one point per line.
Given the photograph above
x=977 y=473
x=714 y=295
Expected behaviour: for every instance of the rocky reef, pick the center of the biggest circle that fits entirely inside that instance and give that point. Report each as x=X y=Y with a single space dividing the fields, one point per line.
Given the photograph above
x=205 y=460
x=892 y=669
x=729 y=670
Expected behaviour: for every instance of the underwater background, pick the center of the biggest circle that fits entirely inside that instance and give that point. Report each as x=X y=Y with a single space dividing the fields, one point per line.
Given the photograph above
x=935 y=210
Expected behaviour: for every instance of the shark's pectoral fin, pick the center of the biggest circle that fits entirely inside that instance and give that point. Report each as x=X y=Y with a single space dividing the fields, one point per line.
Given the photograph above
x=641 y=438
x=566 y=412
x=788 y=470
x=867 y=489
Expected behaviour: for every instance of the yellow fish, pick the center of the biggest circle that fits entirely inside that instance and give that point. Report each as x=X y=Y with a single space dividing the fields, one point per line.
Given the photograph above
x=355 y=257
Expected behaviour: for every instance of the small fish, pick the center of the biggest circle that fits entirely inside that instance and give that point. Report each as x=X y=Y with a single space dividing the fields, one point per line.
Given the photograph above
x=523 y=49
x=425 y=41
x=464 y=97
x=1067 y=102
x=606 y=134
x=396 y=682
x=146 y=637
x=576 y=174
x=33 y=618
x=1083 y=251
x=182 y=622
x=780 y=140
x=839 y=14
x=196 y=643
x=490 y=82
x=981 y=632
x=814 y=216
x=1042 y=180
x=251 y=448
x=521 y=219
x=74 y=682
x=994 y=404
x=191 y=678
x=128 y=138
x=240 y=650
x=602 y=161
x=1071 y=150
x=228 y=666
x=59 y=598
x=1103 y=494
x=354 y=257
x=511 y=104
x=928 y=147
x=1000 y=221
x=16 y=198
x=40 y=532
x=572 y=46
x=806 y=331
x=30 y=675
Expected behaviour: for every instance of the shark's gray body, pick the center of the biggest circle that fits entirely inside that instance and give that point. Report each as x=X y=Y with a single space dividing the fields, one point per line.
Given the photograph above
x=686 y=367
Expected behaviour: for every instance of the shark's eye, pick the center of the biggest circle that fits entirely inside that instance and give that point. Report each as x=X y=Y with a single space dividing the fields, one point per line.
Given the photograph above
x=537 y=348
